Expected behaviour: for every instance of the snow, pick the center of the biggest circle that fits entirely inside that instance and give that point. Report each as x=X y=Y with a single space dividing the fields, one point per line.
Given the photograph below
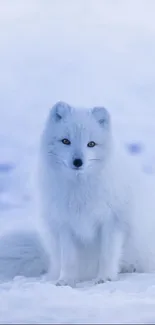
x=130 y=300
x=86 y=53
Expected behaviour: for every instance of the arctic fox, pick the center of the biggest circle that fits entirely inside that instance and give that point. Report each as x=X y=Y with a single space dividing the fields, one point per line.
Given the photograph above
x=84 y=200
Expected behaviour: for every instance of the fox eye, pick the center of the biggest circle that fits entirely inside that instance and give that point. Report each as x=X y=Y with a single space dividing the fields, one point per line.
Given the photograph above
x=66 y=141
x=91 y=144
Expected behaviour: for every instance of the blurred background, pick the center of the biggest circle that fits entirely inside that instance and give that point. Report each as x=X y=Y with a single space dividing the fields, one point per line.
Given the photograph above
x=87 y=53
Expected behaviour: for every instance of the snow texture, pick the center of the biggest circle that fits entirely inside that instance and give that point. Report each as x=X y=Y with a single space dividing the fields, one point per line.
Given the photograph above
x=86 y=53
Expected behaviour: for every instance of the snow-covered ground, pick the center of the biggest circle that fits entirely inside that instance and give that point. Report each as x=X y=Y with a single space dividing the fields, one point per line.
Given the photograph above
x=86 y=52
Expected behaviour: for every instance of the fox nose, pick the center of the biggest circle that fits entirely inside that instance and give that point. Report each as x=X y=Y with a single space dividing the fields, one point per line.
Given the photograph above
x=77 y=163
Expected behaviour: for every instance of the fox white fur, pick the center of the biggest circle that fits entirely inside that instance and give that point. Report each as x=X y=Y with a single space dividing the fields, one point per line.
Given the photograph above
x=92 y=224
x=85 y=212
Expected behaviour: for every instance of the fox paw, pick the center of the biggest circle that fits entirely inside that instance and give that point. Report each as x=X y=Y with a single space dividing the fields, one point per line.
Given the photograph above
x=65 y=282
x=106 y=278
x=101 y=280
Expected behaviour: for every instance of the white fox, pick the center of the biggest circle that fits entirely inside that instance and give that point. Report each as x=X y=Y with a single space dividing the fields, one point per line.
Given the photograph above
x=96 y=210
x=83 y=197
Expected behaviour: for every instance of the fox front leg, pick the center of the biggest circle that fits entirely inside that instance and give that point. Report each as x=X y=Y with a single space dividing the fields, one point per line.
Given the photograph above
x=110 y=254
x=68 y=259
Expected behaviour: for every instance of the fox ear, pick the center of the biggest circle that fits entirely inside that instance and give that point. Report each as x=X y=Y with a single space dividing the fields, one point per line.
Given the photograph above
x=102 y=116
x=60 y=110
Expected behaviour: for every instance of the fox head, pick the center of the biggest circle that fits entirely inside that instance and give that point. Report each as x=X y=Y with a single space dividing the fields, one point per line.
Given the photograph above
x=77 y=140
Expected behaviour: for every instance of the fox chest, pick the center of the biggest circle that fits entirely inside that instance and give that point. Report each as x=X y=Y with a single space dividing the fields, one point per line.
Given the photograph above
x=83 y=212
